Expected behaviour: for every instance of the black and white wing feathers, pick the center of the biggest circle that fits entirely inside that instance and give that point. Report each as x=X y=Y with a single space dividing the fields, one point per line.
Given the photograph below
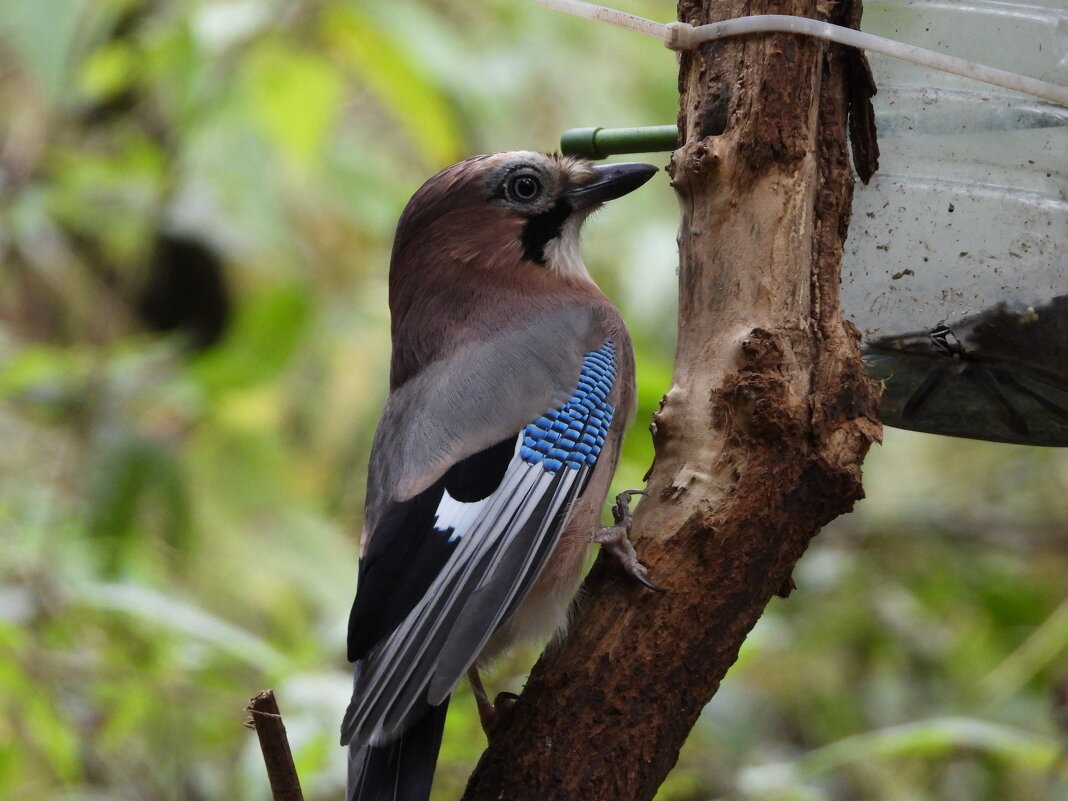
x=446 y=568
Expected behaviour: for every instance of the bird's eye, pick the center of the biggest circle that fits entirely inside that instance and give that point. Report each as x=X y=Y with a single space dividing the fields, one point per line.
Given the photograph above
x=524 y=188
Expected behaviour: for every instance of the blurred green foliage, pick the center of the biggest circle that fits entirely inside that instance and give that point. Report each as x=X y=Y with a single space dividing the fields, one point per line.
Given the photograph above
x=178 y=530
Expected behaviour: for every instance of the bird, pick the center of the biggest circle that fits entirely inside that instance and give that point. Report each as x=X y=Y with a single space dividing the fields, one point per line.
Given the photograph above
x=511 y=384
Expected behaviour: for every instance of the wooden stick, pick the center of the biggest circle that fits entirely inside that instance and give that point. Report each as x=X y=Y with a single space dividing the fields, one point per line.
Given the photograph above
x=267 y=721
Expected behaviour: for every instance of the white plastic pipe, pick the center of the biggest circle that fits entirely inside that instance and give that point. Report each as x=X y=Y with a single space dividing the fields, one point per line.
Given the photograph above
x=683 y=36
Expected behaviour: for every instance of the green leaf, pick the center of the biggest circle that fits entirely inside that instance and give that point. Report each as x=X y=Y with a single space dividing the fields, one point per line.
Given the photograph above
x=295 y=95
x=136 y=476
x=190 y=621
x=267 y=329
x=109 y=70
x=416 y=105
x=936 y=737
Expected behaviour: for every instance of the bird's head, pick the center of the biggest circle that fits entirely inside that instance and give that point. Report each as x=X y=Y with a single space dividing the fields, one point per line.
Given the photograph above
x=507 y=209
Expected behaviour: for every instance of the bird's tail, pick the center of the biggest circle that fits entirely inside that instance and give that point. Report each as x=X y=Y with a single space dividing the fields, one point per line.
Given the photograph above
x=403 y=769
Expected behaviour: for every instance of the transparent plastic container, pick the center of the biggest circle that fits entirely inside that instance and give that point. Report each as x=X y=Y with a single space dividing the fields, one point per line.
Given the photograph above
x=956 y=267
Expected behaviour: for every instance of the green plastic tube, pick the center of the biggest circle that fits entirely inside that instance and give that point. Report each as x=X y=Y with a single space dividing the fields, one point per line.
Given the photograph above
x=599 y=143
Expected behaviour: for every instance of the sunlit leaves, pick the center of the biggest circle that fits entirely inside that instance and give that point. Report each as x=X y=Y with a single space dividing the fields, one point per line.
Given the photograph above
x=111 y=193
x=268 y=327
x=295 y=95
x=418 y=109
x=109 y=70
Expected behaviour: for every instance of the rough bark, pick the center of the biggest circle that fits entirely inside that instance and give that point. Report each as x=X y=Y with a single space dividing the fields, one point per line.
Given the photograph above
x=759 y=441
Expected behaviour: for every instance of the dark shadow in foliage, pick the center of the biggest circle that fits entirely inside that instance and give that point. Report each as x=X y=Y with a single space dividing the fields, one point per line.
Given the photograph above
x=186 y=291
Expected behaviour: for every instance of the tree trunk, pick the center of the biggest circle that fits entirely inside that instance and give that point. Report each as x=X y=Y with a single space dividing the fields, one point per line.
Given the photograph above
x=760 y=439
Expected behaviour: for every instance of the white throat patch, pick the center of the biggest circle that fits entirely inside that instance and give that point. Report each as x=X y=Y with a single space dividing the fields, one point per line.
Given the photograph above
x=562 y=254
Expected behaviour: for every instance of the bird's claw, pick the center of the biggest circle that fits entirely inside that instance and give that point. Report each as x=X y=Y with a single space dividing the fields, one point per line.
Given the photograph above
x=505 y=702
x=621 y=513
x=615 y=540
x=491 y=714
x=494 y=715
x=641 y=575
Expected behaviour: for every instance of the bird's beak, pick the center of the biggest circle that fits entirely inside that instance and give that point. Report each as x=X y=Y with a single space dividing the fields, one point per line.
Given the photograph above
x=612 y=181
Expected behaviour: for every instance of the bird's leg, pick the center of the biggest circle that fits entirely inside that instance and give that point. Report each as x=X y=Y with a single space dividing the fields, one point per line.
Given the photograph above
x=490 y=713
x=487 y=713
x=615 y=540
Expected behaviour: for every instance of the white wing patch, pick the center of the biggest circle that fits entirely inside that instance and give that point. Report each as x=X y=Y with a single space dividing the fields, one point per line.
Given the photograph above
x=457 y=515
x=502 y=544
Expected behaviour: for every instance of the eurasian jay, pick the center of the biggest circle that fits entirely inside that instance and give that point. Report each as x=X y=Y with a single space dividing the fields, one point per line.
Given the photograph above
x=511 y=383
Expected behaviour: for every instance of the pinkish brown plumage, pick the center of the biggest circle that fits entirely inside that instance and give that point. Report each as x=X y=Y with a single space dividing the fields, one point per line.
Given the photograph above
x=512 y=382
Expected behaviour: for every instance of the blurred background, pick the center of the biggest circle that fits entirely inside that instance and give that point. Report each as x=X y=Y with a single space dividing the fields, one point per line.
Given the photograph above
x=197 y=200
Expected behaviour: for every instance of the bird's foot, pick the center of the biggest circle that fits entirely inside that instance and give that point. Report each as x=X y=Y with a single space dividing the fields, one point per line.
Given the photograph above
x=491 y=714
x=615 y=540
x=503 y=707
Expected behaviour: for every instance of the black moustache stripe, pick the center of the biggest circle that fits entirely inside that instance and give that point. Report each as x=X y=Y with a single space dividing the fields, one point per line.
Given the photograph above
x=541 y=229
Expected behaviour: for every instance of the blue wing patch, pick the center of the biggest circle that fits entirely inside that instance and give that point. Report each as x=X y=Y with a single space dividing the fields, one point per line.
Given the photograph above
x=452 y=564
x=572 y=435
